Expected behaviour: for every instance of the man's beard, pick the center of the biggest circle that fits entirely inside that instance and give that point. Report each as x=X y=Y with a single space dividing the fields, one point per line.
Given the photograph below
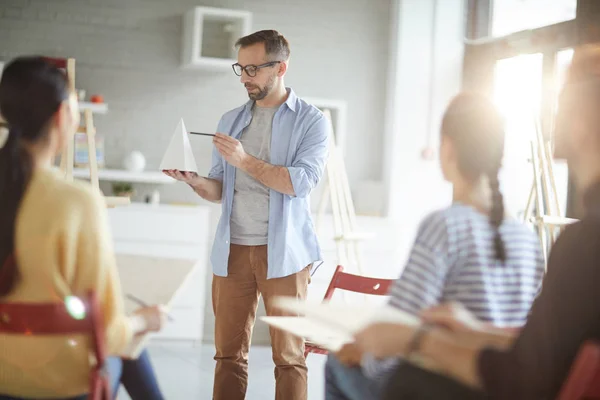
x=262 y=92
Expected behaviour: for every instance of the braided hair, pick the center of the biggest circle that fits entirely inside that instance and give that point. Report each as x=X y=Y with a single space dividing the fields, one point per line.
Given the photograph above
x=476 y=129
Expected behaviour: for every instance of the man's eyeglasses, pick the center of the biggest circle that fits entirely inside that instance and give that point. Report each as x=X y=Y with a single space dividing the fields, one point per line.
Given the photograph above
x=251 y=70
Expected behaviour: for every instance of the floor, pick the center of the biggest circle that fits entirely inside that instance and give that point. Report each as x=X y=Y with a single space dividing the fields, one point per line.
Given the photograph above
x=186 y=373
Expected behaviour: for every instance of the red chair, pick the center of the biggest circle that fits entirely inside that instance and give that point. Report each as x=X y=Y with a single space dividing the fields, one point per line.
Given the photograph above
x=56 y=319
x=583 y=381
x=352 y=283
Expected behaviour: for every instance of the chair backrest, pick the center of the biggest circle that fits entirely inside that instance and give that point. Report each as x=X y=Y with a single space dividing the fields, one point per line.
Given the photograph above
x=358 y=284
x=73 y=316
x=583 y=381
x=42 y=319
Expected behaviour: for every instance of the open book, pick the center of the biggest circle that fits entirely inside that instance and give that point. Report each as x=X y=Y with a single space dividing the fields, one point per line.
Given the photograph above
x=331 y=325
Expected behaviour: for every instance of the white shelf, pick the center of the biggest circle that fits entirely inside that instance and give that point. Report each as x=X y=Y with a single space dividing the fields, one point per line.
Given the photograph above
x=209 y=36
x=97 y=108
x=117 y=175
x=555 y=221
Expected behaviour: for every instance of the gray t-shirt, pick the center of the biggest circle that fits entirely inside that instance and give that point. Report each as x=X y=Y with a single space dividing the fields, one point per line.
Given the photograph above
x=250 y=212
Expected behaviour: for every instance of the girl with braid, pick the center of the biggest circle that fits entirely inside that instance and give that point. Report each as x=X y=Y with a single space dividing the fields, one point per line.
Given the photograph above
x=474 y=361
x=468 y=253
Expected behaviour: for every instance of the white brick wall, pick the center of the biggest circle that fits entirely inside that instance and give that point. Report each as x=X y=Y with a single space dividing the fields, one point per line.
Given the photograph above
x=129 y=51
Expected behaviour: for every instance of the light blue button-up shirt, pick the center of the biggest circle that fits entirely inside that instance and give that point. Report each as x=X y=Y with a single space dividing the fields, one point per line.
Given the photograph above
x=299 y=141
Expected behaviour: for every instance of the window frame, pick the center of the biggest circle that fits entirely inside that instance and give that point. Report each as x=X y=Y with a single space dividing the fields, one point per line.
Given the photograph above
x=482 y=52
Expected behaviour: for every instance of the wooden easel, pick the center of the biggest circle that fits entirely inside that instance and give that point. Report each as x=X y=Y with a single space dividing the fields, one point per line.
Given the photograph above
x=542 y=207
x=68 y=157
x=337 y=189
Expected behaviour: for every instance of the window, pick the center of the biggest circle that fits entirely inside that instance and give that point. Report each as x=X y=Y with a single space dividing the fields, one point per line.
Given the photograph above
x=563 y=60
x=538 y=35
x=509 y=16
x=517 y=94
x=518 y=88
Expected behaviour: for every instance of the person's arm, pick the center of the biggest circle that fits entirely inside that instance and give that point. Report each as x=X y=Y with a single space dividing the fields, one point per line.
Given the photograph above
x=272 y=176
x=421 y=283
x=501 y=338
x=458 y=355
x=297 y=180
x=458 y=320
x=209 y=188
x=457 y=358
x=535 y=366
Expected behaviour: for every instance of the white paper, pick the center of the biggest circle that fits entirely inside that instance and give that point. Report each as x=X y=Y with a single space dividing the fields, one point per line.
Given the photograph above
x=347 y=319
x=154 y=280
x=317 y=333
x=179 y=154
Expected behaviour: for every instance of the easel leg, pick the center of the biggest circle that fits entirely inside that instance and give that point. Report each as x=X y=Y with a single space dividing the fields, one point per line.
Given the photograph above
x=527 y=213
x=90 y=131
x=67 y=159
x=539 y=202
x=323 y=203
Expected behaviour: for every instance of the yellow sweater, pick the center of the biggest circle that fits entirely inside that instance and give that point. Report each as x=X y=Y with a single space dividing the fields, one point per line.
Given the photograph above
x=63 y=247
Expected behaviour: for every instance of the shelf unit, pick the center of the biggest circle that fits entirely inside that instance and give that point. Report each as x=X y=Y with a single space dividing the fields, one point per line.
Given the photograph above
x=555 y=221
x=97 y=108
x=117 y=175
x=209 y=36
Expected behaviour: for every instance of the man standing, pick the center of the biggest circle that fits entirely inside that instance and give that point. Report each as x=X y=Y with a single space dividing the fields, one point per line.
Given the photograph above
x=269 y=155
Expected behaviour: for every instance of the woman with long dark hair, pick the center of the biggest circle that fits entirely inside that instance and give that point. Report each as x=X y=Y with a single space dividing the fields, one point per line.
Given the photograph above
x=54 y=240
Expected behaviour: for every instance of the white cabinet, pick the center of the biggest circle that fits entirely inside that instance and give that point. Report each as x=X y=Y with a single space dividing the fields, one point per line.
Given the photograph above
x=174 y=232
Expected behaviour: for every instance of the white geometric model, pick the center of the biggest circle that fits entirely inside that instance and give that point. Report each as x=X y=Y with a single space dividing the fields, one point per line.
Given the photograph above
x=179 y=154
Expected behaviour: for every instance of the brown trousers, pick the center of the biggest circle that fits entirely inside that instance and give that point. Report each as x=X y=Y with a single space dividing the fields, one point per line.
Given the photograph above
x=235 y=300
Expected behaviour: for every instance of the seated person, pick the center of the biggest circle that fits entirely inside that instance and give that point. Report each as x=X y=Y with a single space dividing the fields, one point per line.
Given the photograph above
x=137 y=377
x=473 y=361
x=55 y=242
x=468 y=252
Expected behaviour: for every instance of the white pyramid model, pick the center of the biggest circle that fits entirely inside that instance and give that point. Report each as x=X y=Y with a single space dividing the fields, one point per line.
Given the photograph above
x=179 y=154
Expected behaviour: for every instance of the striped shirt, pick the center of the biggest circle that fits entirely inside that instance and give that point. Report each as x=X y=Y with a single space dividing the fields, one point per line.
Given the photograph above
x=453 y=260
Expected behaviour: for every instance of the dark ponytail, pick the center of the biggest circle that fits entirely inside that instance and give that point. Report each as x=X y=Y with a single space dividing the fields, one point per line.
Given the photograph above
x=497 y=215
x=15 y=172
x=31 y=91
x=477 y=132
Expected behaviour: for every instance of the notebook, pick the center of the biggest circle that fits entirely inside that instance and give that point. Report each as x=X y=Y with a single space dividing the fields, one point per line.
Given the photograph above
x=331 y=325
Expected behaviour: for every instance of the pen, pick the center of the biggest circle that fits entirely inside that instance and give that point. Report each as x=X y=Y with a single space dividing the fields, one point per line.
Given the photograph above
x=202 y=134
x=143 y=303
